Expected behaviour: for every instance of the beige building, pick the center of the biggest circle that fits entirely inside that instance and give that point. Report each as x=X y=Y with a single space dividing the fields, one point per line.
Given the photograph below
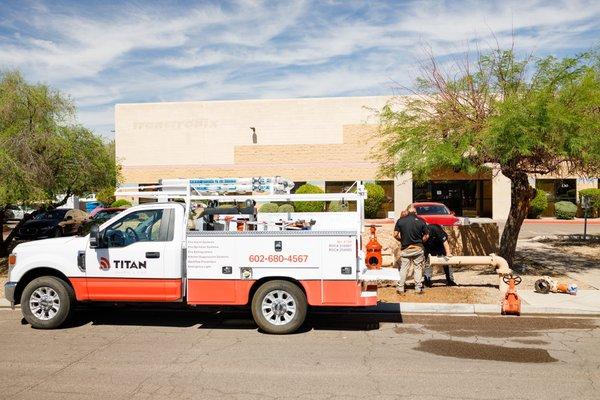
x=324 y=141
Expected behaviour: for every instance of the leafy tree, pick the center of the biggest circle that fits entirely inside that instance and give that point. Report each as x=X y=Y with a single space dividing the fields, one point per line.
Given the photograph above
x=516 y=116
x=45 y=157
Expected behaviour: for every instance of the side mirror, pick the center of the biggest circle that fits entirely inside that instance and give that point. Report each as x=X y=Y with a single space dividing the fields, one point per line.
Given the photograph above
x=452 y=212
x=94 y=236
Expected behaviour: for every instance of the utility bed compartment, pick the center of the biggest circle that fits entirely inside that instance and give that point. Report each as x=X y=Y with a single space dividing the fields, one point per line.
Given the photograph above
x=222 y=265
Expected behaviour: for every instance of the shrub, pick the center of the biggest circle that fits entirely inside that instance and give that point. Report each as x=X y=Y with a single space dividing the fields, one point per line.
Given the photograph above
x=309 y=206
x=594 y=196
x=269 y=208
x=538 y=204
x=121 y=203
x=565 y=210
x=286 y=208
x=106 y=196
x=338 y=206
x=374 y=200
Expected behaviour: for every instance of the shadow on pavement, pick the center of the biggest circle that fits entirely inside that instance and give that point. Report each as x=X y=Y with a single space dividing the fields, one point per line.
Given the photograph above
x=241 y=319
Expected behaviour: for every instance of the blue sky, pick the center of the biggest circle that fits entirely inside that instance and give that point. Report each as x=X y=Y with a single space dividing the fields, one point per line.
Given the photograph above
x=107 y=52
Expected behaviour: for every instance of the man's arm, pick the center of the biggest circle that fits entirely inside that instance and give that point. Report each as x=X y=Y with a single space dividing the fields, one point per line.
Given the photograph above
x=447 y=249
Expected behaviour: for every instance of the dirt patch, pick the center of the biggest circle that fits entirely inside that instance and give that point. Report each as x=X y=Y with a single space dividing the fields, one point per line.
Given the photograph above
x=579 y=248
x=442 y=294
x=479 y=351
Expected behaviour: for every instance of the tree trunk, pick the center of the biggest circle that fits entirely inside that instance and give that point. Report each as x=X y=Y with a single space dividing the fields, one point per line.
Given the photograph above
x=521 y=196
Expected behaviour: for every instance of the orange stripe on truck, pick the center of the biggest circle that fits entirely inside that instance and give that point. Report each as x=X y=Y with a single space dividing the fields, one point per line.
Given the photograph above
x=212 y=291
x=237 y=292
x=127 y=289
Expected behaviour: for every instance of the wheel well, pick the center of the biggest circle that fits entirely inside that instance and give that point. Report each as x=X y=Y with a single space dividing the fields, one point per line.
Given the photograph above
x=36 y=273
x=259 y=282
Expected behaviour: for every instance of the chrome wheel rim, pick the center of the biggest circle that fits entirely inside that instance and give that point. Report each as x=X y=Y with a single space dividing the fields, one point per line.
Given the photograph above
x=279 y=307
x=44 y=303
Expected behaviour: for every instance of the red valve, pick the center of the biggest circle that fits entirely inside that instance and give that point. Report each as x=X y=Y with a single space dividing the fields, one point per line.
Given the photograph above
x=373 y=256
x=512 y=302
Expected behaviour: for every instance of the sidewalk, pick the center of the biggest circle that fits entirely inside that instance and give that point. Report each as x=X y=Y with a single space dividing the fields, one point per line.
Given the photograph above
x=585 y=300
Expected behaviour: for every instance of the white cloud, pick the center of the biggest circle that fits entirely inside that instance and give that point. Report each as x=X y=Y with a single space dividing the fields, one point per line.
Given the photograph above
x=265 y=49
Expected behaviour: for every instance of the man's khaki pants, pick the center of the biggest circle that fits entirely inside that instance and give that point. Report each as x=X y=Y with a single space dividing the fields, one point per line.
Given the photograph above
x=412 y=255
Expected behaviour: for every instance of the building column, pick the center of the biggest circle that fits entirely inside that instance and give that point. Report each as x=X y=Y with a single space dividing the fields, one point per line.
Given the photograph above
x=403 y=192
x=501 y=199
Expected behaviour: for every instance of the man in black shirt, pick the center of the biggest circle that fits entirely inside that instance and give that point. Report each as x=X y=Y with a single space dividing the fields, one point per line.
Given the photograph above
x=437 y=245
x=411 y=232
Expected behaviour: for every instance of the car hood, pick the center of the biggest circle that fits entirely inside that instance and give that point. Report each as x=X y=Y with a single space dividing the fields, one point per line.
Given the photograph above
x=55 y=242
x=40 y=223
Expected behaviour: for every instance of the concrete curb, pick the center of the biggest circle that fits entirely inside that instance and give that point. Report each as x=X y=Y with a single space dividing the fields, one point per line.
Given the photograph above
x=450 y=309
x=474 y=309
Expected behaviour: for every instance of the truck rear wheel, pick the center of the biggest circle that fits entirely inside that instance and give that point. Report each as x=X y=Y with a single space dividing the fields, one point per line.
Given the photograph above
x=279 y=307
x=46 y=302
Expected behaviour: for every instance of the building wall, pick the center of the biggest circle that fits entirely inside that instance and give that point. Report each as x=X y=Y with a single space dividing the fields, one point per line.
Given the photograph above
x=208 y=133
x=306 y=140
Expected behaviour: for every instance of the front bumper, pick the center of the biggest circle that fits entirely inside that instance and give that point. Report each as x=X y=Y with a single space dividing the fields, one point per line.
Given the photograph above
x=9 y=292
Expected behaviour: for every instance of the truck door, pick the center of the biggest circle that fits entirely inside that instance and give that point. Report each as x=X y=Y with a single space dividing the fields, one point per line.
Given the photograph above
x=129 y=265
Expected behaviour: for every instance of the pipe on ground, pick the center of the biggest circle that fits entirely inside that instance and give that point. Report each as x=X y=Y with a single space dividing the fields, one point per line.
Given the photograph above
x=499 y=263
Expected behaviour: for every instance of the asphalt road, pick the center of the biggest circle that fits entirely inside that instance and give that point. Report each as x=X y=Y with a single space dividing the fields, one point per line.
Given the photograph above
x=135 y=354
x=529 y=230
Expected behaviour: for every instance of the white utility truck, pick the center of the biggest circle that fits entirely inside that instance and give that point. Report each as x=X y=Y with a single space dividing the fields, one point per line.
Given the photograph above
x=202 y=242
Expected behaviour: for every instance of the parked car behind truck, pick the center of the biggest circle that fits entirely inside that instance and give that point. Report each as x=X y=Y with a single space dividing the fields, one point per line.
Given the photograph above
x=53 y=223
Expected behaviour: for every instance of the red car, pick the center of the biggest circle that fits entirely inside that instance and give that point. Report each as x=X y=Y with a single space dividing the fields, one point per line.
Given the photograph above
x=436 y=213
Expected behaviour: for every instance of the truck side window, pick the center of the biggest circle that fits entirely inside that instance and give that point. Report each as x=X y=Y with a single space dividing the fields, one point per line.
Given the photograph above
x=139 y=226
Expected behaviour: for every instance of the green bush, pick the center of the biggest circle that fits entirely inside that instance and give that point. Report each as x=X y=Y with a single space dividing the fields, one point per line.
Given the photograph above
x=374 y=200
x=309 y=206
x=565 y=210
x=337 y=206
x=106 y=196
x=286 y=208
x=594 y=196
x=121 y=203
x=269 y=208
x=538 y=204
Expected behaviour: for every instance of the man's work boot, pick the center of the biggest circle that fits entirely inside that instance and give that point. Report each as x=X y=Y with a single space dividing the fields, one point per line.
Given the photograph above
x=427 y=281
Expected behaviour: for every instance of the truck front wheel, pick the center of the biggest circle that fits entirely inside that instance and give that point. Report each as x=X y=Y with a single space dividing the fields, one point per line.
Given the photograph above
x=279 y=307
x=46 y=302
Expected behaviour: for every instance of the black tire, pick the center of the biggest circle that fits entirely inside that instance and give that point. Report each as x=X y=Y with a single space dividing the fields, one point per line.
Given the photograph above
x=55 y=288
x=289 y=293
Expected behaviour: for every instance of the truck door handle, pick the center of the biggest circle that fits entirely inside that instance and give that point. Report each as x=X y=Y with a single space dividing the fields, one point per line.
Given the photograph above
x=153 y=254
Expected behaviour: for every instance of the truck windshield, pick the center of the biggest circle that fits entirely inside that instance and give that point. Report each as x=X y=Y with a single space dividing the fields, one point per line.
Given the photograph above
x=139 y=226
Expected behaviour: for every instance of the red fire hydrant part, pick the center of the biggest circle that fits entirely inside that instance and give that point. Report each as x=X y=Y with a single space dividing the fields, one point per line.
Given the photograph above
x=512 y=302
x=373 y=254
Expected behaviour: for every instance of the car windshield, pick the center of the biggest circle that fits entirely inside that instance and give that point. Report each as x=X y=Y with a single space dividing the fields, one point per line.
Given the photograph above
x=53 y=214
x=432 y=209
x=106 y=214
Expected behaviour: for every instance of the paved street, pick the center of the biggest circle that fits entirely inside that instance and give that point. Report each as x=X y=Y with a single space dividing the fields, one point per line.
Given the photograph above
x=529 y=230
x=126 y=354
